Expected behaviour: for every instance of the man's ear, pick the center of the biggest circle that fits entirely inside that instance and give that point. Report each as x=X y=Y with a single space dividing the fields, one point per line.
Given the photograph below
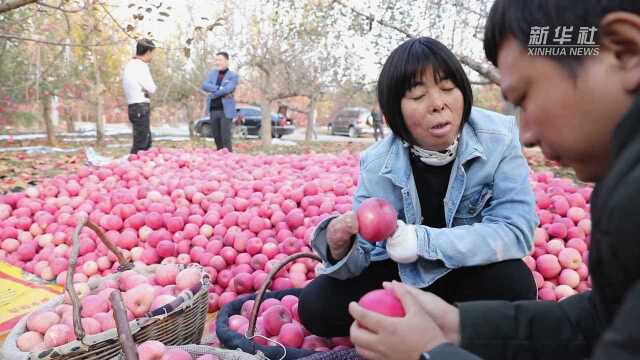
x=620 y=34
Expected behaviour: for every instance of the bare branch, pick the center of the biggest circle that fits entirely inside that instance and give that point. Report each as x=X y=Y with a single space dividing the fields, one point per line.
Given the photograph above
x=371 y=17
x=117 y=23
x=483 y=69
x=482 y=83
x=61 y=8
x=35 y=39
x=14 y=4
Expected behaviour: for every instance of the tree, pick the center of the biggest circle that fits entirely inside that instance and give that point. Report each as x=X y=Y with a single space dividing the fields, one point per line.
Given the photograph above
x=63 y=6
x=291 y=54
x=399 y=20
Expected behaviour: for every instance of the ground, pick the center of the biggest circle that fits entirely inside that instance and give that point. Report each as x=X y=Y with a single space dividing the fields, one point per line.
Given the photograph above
x=24 y=161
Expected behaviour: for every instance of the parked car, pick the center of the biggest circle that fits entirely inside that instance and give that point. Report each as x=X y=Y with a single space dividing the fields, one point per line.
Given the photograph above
x=248 y=121
x=354 y=122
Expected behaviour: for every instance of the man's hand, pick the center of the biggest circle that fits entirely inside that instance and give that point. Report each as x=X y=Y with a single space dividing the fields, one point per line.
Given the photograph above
x=402 y=246
x=146 y=93
x=378 y=337
x=339 y=234
x=445 y=315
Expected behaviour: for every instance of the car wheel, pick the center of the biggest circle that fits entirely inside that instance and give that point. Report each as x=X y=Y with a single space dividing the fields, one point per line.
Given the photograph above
x=206 y=131
x=353 y=132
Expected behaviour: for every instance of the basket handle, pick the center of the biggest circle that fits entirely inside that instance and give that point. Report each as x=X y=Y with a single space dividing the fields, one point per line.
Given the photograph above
x=267 y=282
x=122 y=326
x=73 y=261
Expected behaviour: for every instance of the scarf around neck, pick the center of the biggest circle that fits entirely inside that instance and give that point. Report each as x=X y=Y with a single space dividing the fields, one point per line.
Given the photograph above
x=434 y=158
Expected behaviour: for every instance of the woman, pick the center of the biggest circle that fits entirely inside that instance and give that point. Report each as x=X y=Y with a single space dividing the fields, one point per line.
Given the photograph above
x=458 y=179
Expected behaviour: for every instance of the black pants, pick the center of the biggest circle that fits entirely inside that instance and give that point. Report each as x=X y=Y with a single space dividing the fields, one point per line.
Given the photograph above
x=139 y=118
x=221 y=127
x=377 y=128
x=323 y=306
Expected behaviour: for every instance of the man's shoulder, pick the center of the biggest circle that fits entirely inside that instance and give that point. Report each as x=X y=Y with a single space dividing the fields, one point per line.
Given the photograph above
x=620 y=189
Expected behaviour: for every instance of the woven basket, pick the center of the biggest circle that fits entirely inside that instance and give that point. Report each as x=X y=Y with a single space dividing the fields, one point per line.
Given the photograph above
x=181 y=322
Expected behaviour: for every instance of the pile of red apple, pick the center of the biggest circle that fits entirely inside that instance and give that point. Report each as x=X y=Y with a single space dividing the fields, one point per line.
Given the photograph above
x=561 y=244
x=279 y=321
x=141 y=294
x=237 y=215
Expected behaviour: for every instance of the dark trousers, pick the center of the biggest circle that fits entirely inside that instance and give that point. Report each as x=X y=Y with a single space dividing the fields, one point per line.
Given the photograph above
x=377 y=128
x=139 y=118
x=323 y=306
x=221 y=127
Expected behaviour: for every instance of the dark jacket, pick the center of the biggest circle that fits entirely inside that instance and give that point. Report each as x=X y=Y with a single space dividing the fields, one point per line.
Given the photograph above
x=573 y=328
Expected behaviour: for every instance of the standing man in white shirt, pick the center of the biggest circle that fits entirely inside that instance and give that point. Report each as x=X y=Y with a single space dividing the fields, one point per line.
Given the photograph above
x=138 y=86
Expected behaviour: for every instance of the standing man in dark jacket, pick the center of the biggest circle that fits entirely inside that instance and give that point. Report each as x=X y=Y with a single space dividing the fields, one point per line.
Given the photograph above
x=376 y=123
x=220 y=84
x=583 y=111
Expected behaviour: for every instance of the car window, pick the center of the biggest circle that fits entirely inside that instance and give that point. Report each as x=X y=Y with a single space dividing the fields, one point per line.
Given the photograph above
x=250 y=112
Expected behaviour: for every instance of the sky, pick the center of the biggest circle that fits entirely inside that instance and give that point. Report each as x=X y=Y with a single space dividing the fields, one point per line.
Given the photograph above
x=180 y=18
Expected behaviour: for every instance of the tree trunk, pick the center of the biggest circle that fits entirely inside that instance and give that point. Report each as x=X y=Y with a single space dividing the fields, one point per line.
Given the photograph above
x=311 y=120
x=265 y=128
x=188 y=107
x=77 y=113
x=99 y=105
x=45 y=101
x=68 y=119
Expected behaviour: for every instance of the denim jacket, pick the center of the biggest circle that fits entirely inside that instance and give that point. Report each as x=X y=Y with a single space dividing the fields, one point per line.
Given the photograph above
x=489 y=206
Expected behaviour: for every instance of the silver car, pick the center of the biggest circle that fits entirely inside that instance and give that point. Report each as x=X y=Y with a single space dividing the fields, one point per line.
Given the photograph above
x=353 y=122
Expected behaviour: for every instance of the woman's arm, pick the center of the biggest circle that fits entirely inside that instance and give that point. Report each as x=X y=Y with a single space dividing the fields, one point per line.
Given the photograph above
x=359 y=254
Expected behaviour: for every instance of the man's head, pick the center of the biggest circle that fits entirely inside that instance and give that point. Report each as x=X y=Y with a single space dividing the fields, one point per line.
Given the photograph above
x=222 y=60
x=569 y=105
x=144 y=49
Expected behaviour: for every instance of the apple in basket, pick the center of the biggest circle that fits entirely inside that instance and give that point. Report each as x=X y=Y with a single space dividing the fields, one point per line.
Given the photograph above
x=151 y=350
x=57 y=335
x=138 y=300
x=187 y=279
x=31 y=341
x=42 y=321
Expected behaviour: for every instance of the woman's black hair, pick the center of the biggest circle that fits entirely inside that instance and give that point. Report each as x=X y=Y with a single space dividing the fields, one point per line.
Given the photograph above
x=404 y=69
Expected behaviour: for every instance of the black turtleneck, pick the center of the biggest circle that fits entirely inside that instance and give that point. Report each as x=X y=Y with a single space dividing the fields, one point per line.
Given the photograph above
x=432 y=183
x=216 y=104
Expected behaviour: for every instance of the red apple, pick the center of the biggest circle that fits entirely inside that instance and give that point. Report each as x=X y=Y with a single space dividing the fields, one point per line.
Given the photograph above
x=376 y=219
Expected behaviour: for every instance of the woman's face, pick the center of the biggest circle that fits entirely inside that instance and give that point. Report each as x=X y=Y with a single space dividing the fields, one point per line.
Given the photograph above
x=433 y=112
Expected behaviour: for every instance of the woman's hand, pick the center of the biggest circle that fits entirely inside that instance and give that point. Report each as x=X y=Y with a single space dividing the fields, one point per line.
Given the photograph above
x=402 y=246
x=340 y=234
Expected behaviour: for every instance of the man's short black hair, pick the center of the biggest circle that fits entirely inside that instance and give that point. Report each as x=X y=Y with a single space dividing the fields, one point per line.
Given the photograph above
x=144 y=46
x=517 y=17
x=224 y=54
x=403 y=70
